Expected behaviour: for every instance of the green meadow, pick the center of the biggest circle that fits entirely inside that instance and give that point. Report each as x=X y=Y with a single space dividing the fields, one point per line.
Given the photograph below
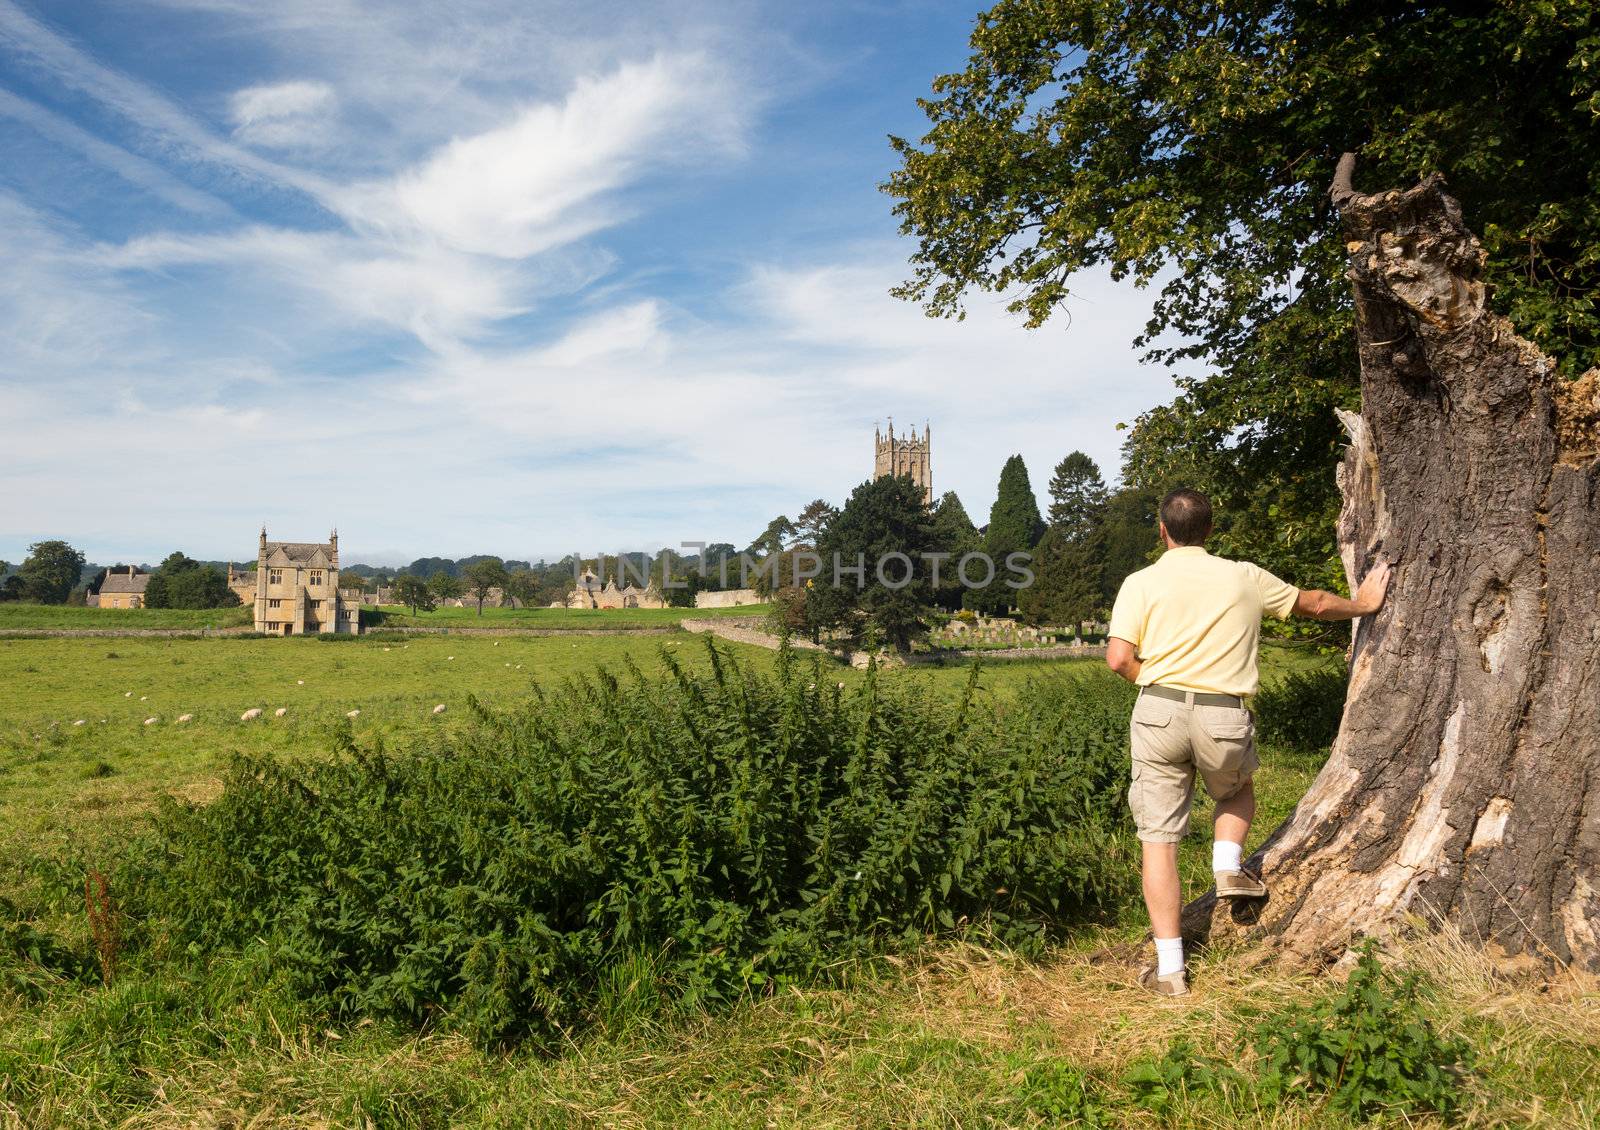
x=18 y=616
x=956 y=1033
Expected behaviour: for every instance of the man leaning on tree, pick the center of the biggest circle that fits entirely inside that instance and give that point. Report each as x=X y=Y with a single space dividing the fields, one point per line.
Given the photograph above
x=1186 y=630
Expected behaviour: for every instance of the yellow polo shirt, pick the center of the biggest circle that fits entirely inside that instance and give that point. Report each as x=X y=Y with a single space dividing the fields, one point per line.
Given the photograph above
x=1195 y=620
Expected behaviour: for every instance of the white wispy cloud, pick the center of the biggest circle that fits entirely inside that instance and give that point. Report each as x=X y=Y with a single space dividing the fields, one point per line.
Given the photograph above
x=462 y=239
x=541 y=180
x=285 y=115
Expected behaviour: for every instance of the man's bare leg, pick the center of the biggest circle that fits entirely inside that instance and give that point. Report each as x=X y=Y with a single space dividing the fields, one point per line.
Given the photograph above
x=1163 y=896
x=1232 y=823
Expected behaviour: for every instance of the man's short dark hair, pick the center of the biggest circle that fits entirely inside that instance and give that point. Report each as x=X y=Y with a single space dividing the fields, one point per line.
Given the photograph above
x=1187 y=515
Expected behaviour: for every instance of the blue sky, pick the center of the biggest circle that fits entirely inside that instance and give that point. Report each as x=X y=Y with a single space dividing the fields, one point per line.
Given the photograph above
x=522 y=278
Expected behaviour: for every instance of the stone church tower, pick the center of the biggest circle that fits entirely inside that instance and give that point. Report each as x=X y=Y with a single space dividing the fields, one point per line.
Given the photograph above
x=904 y=455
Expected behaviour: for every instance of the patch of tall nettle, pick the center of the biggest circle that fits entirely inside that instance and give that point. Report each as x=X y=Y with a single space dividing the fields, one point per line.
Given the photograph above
x=709 y=832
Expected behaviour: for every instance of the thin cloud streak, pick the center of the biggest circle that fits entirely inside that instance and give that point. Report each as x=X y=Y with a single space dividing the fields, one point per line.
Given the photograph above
x=130 y=167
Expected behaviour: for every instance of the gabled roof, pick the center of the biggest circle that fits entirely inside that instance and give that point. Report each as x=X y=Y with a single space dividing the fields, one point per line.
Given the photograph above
x=303 y=553
x=121 y=582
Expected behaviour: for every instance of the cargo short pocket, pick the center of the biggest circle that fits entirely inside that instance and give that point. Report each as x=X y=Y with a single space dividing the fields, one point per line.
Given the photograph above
x=1228 y=757
x=1157 y=735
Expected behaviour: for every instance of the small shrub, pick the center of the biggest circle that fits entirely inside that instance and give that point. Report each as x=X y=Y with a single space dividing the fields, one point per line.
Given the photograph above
x=1302 y=711
x=97 y=769
x=1058 y=1094
x=1364 y=1051
x=1367 y=1050
x=1159 y=1084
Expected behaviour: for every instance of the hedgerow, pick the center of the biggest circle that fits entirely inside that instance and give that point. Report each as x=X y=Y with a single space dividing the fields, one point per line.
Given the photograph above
x=717 y=831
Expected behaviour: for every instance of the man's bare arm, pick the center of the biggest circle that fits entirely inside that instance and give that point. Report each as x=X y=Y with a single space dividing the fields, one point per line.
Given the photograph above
x=1320 y=605
x=1121 y=658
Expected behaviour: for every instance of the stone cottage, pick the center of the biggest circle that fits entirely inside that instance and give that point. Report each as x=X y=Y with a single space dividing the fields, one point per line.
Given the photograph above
x=121 y=590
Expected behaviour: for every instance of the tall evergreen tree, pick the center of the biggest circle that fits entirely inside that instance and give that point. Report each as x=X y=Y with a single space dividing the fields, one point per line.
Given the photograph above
x=1066 y=585
x=1077 y=497
x=1014 y=526
x=1077 y=543
x=813 y=522
x=1129 y=536
x=953 y=533
x=772 y=540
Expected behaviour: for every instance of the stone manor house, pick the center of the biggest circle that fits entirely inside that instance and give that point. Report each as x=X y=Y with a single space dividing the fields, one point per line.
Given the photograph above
x=296 y=588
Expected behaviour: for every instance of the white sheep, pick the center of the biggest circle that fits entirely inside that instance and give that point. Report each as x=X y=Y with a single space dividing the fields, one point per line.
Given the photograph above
x=280 y=712
x=353 y=714
x=449 y=657
x=143 y=697
x=250 y=715
x=151 y=721
x=186 y=718
x=79 y=722
x=299 y=682
x=439 y=709
x=127 y=694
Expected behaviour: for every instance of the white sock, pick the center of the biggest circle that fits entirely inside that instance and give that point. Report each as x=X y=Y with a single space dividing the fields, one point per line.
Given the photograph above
x=1226 y=856
x=1169 y=956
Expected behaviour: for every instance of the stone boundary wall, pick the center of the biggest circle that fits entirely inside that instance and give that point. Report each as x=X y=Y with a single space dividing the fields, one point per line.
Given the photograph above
x=1065 y=651
x=727 y=598
x=750 y=630
x=738 y=629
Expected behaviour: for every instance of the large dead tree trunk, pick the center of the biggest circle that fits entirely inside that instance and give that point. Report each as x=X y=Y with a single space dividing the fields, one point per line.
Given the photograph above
x=1464 y=785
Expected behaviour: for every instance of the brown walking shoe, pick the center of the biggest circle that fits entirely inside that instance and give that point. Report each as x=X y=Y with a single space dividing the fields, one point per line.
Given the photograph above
x=1170 y=985
x=1239 y=885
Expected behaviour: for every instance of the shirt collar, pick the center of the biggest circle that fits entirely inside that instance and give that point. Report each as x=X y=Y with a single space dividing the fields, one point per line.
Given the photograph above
x=1185 y=551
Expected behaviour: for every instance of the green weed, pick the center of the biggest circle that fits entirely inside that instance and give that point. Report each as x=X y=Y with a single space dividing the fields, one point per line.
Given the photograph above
x=750 y=829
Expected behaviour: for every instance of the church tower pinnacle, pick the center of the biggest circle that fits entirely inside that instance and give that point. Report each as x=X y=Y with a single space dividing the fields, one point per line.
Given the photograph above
x=905 y=455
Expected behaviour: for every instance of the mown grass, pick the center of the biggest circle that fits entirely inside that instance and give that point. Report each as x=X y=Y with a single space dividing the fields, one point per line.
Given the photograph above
x=560 y=619
x=17 y=616
x=957 y=1035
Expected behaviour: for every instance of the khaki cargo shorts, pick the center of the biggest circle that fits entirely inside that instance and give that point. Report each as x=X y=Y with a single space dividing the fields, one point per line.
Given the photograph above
x=1170 y=741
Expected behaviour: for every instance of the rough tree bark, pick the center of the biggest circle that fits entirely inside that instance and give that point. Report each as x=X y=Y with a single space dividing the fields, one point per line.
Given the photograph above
x=1464 y=785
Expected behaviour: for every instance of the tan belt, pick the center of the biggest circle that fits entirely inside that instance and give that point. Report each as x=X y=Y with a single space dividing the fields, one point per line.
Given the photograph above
x=1194 y=698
